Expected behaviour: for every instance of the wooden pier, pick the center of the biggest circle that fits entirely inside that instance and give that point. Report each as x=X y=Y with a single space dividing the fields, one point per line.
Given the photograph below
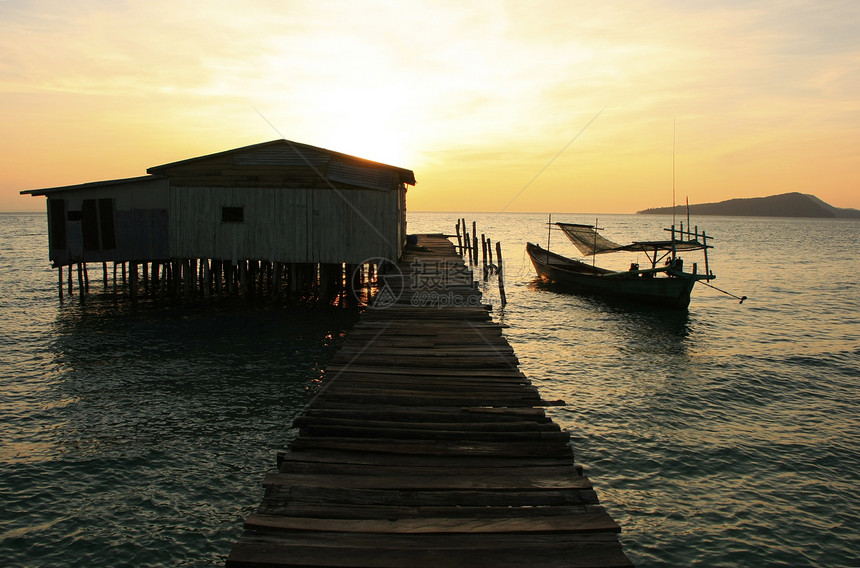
x=427 y=447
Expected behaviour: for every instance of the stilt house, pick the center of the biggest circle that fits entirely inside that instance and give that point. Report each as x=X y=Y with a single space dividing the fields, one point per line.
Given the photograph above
x=276 y=202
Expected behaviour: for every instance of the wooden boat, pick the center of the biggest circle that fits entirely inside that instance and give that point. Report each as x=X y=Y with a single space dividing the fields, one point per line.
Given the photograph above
x=665 y=283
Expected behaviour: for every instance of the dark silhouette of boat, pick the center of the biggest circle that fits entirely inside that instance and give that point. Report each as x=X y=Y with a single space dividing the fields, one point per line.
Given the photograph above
x=664 y=283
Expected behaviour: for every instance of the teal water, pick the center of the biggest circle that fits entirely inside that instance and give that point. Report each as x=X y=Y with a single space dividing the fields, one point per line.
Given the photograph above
x=721 y=436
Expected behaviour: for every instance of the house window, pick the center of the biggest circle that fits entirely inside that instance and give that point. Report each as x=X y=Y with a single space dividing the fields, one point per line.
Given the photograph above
x=232 y=214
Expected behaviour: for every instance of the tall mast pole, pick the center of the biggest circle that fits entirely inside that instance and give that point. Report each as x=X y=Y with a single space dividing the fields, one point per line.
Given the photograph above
x=673 y=173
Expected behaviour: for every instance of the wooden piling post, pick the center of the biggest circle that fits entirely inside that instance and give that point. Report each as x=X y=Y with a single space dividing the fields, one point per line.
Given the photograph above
x=459 y=239
x=243 y=278
x=71 y=290
x=484 y=256
x=105 y=275
x=207 y=277
x=60 y=279
x=501 y=274
x=81 y=288
x=132 y=279
x=475 y=242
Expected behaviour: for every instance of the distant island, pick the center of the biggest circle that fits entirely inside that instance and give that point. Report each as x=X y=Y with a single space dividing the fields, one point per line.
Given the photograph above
x=784 y=205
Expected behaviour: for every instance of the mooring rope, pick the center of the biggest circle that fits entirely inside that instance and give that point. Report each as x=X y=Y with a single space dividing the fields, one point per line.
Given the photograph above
x=740 y=298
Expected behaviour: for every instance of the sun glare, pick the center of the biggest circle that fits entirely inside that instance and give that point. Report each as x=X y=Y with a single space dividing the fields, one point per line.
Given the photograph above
x=368 y=123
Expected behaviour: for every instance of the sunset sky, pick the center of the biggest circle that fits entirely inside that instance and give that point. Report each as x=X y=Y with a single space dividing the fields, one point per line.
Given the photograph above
x=551 y=106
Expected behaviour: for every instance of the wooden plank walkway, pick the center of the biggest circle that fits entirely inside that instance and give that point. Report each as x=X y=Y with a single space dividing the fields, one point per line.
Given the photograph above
x=427 y=447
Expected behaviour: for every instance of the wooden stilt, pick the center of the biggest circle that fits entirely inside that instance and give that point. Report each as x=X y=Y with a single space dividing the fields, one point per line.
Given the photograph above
x=207 y=277
x=71 y=291
x=484 y=256
x=132 y=279
x=105 y=274
x=155 y=280
x=60 y=279
x=276 y=280
x=501 y=274
x=86 y=278
x=81 y=288
x=217 y=271
x=475 y=242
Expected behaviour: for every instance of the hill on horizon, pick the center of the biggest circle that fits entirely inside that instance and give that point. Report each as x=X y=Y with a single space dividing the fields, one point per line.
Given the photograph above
x=793 y=204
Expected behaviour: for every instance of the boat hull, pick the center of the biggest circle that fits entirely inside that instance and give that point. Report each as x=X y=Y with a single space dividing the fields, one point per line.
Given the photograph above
x=581 y=278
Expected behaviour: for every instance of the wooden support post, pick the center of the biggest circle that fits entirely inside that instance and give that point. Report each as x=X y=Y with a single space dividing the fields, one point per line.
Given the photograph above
x=86 y=279
x=155 y=279
x=277 y=267
x=132 y=279
x=484 y=256
x=501 y=274
x=81 y=288
x=105 y=274
x=176 y=272
x=71 y=290
x=124 y=279
x=474 y=242
x=490 y=255
x=60 y=279
x=207 y=277
x=243 y=278
x=146 y=277
x=114 y=279
x=459 y=239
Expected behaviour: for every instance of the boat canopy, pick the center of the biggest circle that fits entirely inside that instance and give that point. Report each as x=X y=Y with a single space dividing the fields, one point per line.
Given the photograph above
x=590 y=242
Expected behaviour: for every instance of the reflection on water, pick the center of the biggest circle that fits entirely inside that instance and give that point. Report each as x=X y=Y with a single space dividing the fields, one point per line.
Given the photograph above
x=151 y=427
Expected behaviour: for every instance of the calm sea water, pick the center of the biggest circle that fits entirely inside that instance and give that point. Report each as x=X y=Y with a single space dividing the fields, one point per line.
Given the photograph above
x=726 y=435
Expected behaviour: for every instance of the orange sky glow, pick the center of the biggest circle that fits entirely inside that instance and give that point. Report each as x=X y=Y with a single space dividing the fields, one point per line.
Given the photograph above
x=549 y=106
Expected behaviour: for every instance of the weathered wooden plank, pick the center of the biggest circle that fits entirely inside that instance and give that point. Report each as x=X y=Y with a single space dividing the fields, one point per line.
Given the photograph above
x=335 y=369
x=593 y=522
x=474 y=426
x=441 y=463
x=431 y=434
x=511 y=449
x=427 y=551
x=433 y=497
x=484 y=481
x=340 y=510
x=435 y=414
x=388 y=470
